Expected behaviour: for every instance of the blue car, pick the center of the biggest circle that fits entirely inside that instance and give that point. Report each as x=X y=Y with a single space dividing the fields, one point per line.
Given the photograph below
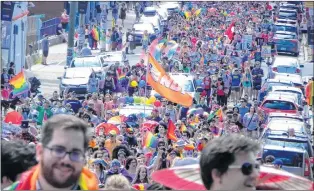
x=287 y=42
x=139 y=31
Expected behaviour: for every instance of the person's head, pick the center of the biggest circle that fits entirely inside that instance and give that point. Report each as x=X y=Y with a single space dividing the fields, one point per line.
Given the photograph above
x=115 y=165
x=257 y=65
x=291 y=132
x=162 y=128
x=61 y=151
x=95 y=96
x=112 y=135
x=12 y=64
x=99 y=165
x=228 y=158
x=55 y=95
x=16 y=157
x=46 y=104
x=236 y=110
x=252 y=110
x=278 y=163
x=131 y=162
x=243 y=102
x=117 y=182
x=142 y=174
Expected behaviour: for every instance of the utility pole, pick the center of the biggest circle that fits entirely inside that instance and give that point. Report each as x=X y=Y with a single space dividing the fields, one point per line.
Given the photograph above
x=70 y=51
x=82 y=6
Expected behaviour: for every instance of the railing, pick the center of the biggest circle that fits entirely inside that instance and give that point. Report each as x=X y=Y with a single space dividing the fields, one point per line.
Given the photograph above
x=50 y=27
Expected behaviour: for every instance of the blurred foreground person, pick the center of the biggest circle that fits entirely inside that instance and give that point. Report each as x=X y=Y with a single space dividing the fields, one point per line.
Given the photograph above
x=61 y=158
x=16 y=157
x=230 y=158
x=117 y=182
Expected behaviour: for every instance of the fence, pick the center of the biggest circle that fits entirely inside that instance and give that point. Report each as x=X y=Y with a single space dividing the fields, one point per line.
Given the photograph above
x=34 y=23
x=50 y=27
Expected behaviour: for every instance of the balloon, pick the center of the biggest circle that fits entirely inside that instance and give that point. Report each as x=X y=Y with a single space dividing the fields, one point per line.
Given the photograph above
x=126 y=100
x=131 y=100
x=143 y=100
x=157 y=103
x=142 y=84
x=121 y=100
x=134 y=84
x=158 y=96
x=152 y=99
x=137 y=100
x=148 y=102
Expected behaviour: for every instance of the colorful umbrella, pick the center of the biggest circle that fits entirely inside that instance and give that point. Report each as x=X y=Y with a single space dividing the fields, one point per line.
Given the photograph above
x=107 y=127
x=14 y=117
x=188 y=178
x=195 y=111
x=116 y=120
x=149 y=125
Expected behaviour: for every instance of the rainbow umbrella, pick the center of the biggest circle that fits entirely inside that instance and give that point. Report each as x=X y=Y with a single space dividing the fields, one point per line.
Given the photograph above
x=116 y=120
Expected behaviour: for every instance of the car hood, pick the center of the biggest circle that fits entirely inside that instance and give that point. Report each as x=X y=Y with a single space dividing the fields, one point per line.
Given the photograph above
x=75 y=81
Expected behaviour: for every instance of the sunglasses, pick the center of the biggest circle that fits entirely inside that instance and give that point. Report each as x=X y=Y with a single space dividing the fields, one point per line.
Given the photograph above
x=246 y=168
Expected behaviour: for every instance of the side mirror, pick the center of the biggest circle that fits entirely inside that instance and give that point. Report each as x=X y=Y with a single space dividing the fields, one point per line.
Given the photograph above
x=59 y=78
x=65 y=67
x=301 y=66
x=300 y=109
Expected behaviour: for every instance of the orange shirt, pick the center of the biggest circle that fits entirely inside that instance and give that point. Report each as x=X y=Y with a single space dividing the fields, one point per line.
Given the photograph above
x=111 y=145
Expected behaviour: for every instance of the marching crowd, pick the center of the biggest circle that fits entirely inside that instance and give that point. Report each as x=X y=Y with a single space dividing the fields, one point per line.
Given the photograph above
x=67 y=153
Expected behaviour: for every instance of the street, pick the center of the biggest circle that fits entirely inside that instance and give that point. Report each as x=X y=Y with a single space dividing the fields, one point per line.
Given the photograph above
x=57 y=60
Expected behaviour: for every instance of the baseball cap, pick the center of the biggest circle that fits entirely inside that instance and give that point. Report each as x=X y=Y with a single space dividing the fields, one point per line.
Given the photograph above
x=115 y=162
x=112 y=132
x=278 y=162
x=167 y=114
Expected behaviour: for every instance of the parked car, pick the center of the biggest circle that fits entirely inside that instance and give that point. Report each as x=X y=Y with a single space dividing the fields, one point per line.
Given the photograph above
x=92 y=62
x=287 y=116
x=170 y=6
x=293 y=90
x=294 y=78
x=155 y=20
x=136 y=109
x=287 y=42
x=293 y=28
x=150 y=11
x=75 y=80
x=286 y=65
x=139 y=31
x=279 y=103
x=295 y=160
x=288 y=14
x=268 y=84
x=287 y=21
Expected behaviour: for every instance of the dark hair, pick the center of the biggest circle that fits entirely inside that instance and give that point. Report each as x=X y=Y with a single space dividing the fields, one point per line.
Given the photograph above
x=16 y=157
x=98 y=152
x=64 y=122
x=128 y=162
x=117 y=149
x=11 y=64
x=137 y=176
x=157 y=186
x=221 y=153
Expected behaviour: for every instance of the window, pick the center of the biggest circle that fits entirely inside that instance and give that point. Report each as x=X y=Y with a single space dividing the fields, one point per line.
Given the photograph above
x=187 y=85
x=85 y=62
x=285 y=14
x=289 y=143
x=286 y=28
x=284 y=36
x=285 y=69
x=278 y=104
x=288 y=158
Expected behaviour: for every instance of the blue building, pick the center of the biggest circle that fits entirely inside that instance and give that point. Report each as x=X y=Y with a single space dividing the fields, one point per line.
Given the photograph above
x=14 y=29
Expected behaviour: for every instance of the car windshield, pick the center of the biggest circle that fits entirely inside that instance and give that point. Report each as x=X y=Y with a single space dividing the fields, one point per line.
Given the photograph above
x=284 y=125
x=271 y=84
x=85 y=62
x=289 y=143
x=279 y=104
x=143 y=27
x=286 y=28
x=285 y=14
x=288 y=158
x=287 y=21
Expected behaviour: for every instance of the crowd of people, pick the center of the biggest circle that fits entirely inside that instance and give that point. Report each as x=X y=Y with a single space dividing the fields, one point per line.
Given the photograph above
x=66 y=142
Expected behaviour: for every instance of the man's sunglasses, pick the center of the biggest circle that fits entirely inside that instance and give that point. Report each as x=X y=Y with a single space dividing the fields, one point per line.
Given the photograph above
x=246 y=168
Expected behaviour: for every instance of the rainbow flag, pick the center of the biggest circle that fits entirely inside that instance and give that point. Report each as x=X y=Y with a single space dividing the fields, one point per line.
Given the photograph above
x=189 y=147
x=121 y=77
x=198 y=12
x=95 y=34
x=187 y=15
x=218 y=113
x=19 y=83
x=150 y=141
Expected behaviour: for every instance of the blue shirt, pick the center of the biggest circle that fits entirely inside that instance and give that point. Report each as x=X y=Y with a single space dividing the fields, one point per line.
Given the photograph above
x=86 y=51
x=256 y=71
x=236 y=79
x=243 y=111
x=250 y=122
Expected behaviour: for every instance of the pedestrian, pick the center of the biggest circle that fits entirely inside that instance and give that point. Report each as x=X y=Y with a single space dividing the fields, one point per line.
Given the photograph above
x=86 y=51
x=145 y=41
x=228 y=157
x=122 y=16
x=5 y=77
x=64 y=20
x=61 y=158
x=257 y=74
x=137 y=11
x=45 y=48
x=247 y=82
x=119 y=44
x=108 y=40
x=235 y=86
x=17 y=157
x=92 y=85
x=131 y=40
x=114 y=39
x=117 y=182
x=61 y=33
x=115 y=11
x=251 y=123
x=11 y=71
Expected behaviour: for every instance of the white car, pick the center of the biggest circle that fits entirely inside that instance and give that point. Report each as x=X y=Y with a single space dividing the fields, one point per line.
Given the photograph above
x=288 y=65
x=155 y=20
x=184 y=80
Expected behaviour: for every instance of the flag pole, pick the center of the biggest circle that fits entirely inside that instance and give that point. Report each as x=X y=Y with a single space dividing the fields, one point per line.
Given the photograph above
x=146 y=77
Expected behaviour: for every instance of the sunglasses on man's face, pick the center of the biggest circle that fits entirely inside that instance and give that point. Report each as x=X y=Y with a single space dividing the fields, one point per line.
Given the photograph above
x=246 y=168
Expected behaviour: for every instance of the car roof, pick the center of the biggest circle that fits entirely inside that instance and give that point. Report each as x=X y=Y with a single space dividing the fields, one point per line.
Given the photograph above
x=286 y=19
x=286 y=138
x=284 y=94
x=285 y=61
x=295 y=78
x=285 y=33
x=279 y=98
x=286 y=24
x=281 y=148
x=287 y=10
x=278 y=88
x=278 y=81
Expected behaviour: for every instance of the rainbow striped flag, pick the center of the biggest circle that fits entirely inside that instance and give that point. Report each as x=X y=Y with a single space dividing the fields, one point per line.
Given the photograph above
x=187 y=15
x=150 y=141
x=121 y=76
x=19 y=83
x=183 y=128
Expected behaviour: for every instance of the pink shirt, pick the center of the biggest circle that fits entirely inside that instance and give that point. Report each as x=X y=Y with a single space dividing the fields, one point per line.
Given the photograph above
x=97 y=106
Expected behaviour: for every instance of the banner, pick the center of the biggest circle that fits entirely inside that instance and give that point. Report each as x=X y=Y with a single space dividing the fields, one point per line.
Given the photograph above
x=164 y=85
x=247 y=42
x=266 y=51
